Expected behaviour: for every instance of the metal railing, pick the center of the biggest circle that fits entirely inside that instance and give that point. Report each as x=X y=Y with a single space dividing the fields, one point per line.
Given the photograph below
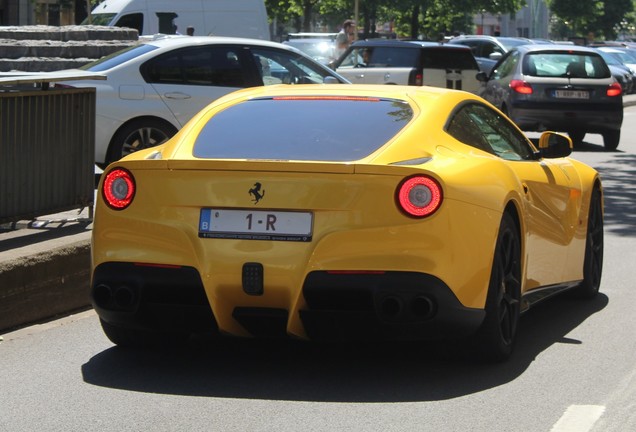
x=47 y=149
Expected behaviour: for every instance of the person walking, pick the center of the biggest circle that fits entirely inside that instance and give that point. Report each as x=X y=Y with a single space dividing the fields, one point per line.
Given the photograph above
x=346 y=36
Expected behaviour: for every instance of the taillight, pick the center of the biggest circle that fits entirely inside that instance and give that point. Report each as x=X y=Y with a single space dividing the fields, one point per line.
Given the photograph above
x=614 y=89
x=521 y=87
x=419 y=196
x=118 y=188
x=419 y=79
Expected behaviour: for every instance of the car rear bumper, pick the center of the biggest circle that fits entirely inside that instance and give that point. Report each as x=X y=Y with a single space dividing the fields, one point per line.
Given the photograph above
x=339 y=305
x=564 y=117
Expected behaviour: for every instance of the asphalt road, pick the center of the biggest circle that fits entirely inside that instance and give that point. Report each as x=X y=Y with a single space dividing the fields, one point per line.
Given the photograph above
x=574 y=369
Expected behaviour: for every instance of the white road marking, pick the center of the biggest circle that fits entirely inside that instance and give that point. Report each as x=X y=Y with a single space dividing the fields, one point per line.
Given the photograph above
x=578 y=418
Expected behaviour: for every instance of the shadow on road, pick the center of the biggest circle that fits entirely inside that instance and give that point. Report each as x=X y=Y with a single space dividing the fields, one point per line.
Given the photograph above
x=618 y=175
x=279 y=370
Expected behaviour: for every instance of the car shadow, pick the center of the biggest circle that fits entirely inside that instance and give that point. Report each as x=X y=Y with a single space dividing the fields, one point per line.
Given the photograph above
x=617 y=174
x=302 y=371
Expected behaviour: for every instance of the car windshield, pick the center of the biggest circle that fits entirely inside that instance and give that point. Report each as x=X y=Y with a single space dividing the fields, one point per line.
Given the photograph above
x=118 y=58
x=316 y=48
x=302 y=128
x=510 y=43
x=609 y=59
x=102 y=19
x=565 y=64
x=382 y=56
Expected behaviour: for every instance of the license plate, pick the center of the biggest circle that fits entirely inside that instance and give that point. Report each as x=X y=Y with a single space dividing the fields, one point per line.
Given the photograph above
x=256 y=225
x=572 y=94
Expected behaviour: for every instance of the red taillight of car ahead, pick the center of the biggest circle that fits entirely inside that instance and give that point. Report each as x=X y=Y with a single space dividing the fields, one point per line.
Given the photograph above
x=419 y=196
x=118 y=188
x=521 y=87
x=419 y=79
x=614 y=89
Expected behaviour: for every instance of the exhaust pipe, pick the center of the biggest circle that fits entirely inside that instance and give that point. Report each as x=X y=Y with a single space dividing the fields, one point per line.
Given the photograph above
x=423 y=307
x=120 y=298
x=391 y=307
x=124 y=297
x=102 y=294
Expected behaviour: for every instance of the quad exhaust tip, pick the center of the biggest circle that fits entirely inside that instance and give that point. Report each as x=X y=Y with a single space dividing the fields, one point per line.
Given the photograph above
x=396 y=308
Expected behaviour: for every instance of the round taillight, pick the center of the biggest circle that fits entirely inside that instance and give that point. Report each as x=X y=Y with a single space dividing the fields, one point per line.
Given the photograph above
x=419 y=196
x=614 y=89
x=118 y=188
x=521 y=87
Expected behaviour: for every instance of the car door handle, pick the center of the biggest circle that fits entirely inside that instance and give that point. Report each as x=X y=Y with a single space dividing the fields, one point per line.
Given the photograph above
x=177 y=96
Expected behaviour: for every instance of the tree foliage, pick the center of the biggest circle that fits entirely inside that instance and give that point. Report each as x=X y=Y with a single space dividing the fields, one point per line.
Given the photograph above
x=412 y=18
x=594 y=18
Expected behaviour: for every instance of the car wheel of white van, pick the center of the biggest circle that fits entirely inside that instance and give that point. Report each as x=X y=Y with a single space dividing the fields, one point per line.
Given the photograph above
x=611 y=138
x=137 y=135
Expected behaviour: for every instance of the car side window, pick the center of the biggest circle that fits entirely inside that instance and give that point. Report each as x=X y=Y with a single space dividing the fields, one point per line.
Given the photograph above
x=479 y=126
x=211 y=66
x=507 y=66
x=132 y=20
x=356 y=58
x=279 y=66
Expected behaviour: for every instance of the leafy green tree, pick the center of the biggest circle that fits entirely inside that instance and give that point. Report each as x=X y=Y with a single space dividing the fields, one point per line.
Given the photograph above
x=598 y=18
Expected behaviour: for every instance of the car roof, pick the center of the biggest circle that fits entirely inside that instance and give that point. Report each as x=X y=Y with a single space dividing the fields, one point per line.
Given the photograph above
x=554 y=47
x=407 y=44
x=173 y=41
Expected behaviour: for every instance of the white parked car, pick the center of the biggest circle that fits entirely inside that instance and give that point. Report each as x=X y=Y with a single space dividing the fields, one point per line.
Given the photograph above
x=154 y=88
x=622 y=55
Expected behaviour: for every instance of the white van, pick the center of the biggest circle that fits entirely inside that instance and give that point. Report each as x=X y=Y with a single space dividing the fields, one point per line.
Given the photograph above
x=241 y=18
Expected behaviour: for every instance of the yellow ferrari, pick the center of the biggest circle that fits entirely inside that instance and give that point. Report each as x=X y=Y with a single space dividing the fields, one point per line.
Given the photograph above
x=338 y=212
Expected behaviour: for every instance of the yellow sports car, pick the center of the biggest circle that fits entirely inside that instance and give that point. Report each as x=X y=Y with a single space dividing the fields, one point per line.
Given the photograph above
x=337 y=212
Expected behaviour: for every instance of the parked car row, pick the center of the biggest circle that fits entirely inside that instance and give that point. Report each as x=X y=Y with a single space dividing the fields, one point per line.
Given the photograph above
x=154 y=88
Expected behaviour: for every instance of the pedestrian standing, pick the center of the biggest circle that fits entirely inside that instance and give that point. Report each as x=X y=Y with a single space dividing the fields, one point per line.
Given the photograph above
x=346 y=36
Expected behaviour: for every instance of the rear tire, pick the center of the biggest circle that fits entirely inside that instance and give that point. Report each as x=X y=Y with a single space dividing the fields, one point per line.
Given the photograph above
x=137 y=135
x=496 y=337
x=593 y=264
x=577 y=136
x=611 y=139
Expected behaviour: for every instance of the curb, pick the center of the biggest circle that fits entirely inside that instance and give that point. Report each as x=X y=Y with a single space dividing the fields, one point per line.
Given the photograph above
x=43 y=285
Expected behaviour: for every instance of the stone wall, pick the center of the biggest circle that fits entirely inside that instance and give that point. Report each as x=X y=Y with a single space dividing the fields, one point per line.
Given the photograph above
x=49 y=48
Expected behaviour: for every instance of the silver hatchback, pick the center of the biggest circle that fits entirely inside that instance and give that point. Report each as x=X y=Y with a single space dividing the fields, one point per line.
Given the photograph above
x=558 y=87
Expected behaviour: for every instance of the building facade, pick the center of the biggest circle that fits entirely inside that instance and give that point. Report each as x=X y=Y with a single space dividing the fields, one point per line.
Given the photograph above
x=532 y=21
x=42 y=12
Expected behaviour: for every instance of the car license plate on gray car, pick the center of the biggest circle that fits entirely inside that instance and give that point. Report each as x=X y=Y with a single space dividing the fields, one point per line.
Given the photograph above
x=572 y=94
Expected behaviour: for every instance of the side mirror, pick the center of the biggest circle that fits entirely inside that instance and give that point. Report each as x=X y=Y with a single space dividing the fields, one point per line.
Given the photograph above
x=482 y=77
x=554 y=145
x=330 y=80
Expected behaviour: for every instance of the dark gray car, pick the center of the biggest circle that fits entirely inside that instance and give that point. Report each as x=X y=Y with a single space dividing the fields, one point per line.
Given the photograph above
x=558 y=87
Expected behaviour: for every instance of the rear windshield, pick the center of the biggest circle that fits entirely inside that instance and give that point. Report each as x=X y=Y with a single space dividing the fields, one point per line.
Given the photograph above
x=436 y=58
x=118 y=57
x=304 y=128
x=565 y=64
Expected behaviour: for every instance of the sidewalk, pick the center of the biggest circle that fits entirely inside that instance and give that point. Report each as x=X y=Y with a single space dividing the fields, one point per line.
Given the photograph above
x=45 y=265
x=44 y=268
